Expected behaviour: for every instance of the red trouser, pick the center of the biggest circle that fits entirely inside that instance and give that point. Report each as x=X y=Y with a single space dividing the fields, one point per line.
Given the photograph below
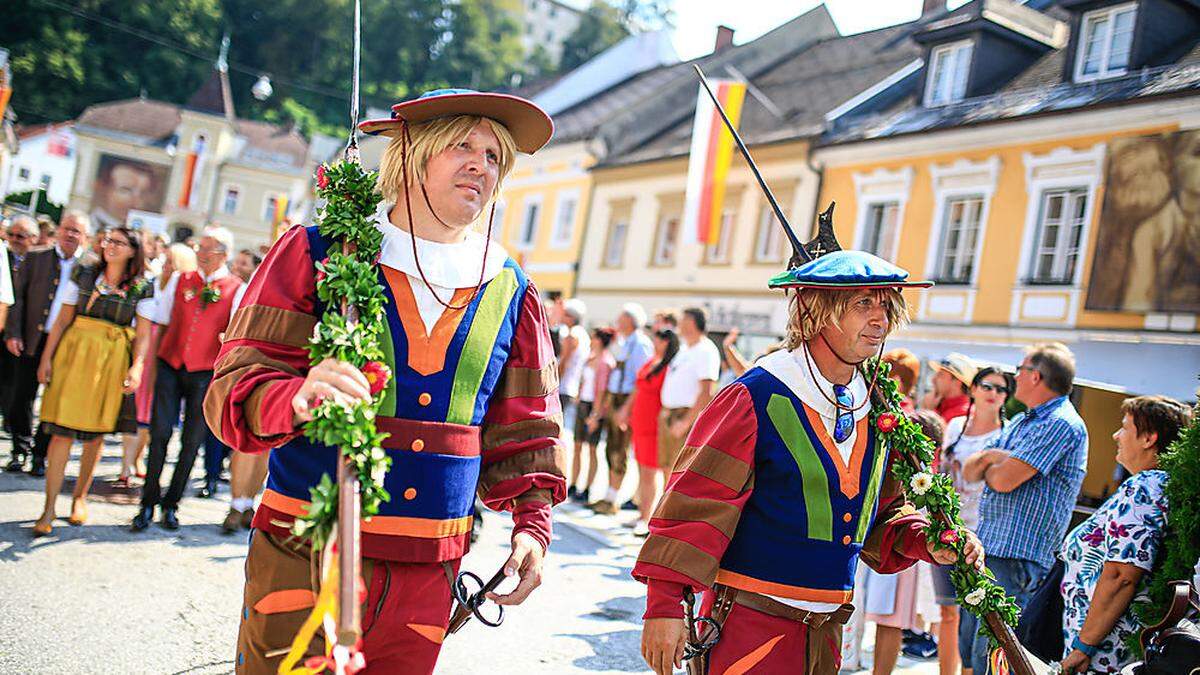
x=404 y=618
x=758 y=643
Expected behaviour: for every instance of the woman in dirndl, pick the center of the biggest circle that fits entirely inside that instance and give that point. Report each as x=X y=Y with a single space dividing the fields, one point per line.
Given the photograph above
x=92 y=361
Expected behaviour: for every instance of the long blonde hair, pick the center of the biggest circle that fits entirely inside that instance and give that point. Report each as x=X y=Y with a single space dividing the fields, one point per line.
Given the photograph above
x=427 y=139
x=810 y=310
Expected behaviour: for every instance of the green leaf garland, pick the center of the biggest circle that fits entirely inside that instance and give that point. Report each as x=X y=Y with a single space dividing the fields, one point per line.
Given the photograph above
x=348 y=277
x=975 y=590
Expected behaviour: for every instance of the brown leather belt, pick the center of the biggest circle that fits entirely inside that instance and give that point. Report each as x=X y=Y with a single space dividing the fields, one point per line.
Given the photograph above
x=772 y=607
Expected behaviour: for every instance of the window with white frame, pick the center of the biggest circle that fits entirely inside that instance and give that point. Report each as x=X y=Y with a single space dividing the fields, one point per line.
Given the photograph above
x=717 y=253
x=960 y=234
x=527 y=235
x=564 y=221
x=23 y=173
x=768 y=240
x=666 y=242
x=1059 y=236
x=949 y=66
x=614 y=247
x=229 y=204
x=1104 y=42
x=879 y=229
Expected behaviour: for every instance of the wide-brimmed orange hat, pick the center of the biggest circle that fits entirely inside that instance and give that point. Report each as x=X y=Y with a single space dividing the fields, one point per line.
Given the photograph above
x=529 y=125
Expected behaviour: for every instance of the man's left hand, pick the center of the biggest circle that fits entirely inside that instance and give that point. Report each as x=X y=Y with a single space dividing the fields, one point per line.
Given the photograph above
x=1076 y=662
x=972 y=551
x=526 y=563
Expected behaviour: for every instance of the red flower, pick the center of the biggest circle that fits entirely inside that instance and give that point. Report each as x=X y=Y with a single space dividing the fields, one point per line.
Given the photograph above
x=886 y=422
x=377 y=374
x=322 y=179
x=321 y=276
x=948 y=537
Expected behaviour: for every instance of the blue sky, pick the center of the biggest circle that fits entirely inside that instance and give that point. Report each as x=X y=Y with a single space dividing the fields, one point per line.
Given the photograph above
x=696 y=20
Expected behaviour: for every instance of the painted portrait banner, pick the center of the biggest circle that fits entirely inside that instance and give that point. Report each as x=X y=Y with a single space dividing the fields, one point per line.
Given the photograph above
x=1148 y=250
x=124 y=184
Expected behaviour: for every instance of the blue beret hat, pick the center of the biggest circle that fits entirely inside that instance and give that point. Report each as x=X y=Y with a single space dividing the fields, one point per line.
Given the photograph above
x=846 y=270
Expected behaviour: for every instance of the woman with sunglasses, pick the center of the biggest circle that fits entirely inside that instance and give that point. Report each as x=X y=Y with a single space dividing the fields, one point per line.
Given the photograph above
x=965 y=436
x=92 y=360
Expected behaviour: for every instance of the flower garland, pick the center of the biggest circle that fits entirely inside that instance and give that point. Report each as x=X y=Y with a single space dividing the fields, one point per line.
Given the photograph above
x=348 y=276
x=976 y=590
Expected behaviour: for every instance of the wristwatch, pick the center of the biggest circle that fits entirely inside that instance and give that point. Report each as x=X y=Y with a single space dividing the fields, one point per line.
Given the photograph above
x=1089 y=650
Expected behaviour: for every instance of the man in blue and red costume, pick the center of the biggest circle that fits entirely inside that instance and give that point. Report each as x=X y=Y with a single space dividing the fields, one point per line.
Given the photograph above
x=472 y=405
x=783 y=485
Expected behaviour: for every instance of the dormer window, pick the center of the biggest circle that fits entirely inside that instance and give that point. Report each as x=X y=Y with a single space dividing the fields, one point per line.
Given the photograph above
x=949 y=66
x=1105 y=38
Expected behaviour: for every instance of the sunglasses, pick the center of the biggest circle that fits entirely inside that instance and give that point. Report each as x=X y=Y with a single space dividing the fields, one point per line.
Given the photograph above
x=988 y=386
x=844 y=424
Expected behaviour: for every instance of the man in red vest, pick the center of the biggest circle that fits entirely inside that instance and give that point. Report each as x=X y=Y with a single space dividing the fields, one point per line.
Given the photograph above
x=193 y=310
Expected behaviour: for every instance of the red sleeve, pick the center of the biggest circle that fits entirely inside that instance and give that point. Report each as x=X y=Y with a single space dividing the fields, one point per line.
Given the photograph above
x=523 y=459
x=703 y=501
x=264 y=359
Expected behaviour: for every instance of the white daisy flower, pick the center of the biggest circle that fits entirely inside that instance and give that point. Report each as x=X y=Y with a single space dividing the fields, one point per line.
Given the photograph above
x=975 y=597
x=921 y=482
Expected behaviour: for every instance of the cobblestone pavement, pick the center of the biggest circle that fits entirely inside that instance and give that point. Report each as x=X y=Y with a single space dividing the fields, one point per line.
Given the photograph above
x=100 y=599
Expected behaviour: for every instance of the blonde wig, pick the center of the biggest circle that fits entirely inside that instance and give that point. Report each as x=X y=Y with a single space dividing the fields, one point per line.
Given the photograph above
x=811 y=310
x=427 y=139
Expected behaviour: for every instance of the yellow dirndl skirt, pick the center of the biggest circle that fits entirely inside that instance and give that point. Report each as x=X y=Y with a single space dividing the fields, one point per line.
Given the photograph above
x=88 y=376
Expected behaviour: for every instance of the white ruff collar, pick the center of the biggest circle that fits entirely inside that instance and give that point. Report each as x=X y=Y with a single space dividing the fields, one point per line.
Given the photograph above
x=807 y=384
x=445 y=265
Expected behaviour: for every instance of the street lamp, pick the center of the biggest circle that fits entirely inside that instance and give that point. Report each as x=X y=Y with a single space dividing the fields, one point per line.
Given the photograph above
x=262 y=89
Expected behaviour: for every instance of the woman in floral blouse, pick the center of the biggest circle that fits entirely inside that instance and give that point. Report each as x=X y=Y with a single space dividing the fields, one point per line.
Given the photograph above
x=1109 y=556
x=91 y=361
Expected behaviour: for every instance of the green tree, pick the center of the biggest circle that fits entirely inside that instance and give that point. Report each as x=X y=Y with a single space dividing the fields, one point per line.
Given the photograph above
x=68 y=55
x=599 y=28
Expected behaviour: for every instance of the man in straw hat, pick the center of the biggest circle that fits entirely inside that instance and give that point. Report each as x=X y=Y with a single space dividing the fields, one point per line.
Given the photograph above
x=472 y=405
x=783 y=484
x=952 y=378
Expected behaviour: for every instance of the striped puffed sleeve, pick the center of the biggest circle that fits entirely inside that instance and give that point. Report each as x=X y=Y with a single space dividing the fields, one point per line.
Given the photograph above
x=896 y=540
x=263 y=360
x=523 y=460
x=702 y=504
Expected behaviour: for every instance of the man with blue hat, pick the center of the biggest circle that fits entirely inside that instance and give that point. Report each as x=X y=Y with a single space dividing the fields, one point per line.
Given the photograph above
x=471 y=405
x=783 y=484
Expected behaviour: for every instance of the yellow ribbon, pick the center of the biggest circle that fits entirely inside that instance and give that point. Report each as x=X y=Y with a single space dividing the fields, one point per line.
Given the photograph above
x=325 y=610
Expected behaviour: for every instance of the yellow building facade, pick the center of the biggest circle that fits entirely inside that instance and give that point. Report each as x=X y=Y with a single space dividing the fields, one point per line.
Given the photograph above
x=637 y=248
x=540 y=215
x=906 y=197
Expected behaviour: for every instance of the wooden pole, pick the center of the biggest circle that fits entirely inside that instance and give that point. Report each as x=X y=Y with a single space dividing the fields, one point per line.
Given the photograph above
x=349 y=519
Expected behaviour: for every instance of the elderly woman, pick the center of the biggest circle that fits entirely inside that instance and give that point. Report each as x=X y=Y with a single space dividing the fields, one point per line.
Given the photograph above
x=1109 y=555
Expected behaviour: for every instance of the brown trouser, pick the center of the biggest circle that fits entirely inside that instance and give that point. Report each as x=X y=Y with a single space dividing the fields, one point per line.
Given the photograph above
x=616 y=447
x=670 y=445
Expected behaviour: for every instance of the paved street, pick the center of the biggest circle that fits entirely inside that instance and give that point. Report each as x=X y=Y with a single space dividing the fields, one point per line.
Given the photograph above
x=99 y=599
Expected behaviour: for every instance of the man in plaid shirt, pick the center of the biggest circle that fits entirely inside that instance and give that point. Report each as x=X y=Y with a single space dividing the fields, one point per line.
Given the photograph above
x=1031 y=480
